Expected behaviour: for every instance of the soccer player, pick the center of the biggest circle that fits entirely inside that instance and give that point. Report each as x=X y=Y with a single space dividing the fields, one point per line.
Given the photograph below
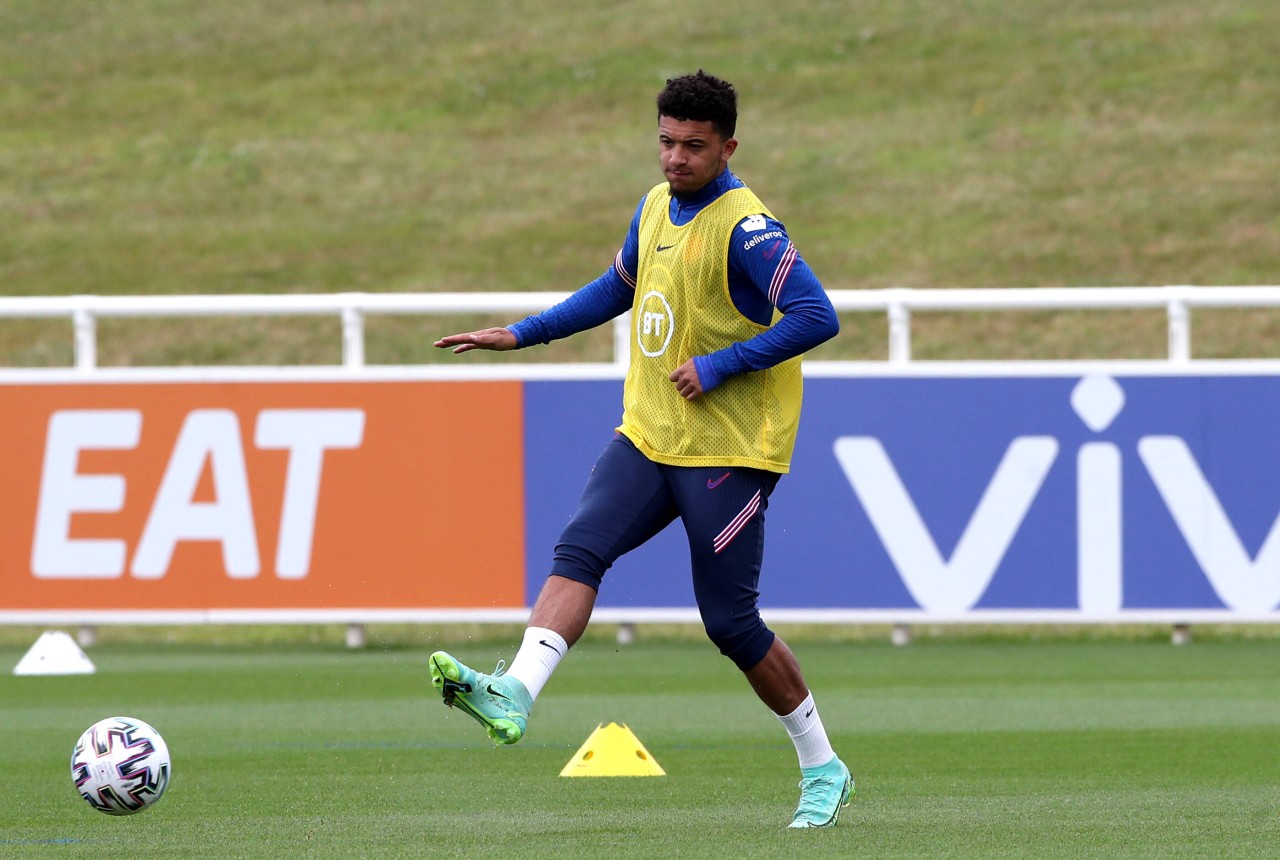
x=724 y=307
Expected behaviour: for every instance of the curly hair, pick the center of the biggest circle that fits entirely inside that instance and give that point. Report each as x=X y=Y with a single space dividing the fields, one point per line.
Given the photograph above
x=701 y=98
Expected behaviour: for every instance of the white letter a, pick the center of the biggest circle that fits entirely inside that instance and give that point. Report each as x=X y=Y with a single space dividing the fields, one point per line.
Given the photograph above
x=212 y=434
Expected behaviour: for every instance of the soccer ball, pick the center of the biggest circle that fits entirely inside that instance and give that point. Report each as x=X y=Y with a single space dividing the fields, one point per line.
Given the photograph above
x=120 y=765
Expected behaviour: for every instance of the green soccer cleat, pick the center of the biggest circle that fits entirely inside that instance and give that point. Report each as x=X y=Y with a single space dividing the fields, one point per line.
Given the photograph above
x=824 y=791
x=498 y=703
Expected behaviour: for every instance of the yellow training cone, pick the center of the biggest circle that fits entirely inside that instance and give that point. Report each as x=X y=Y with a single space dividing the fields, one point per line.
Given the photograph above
x=612 y=750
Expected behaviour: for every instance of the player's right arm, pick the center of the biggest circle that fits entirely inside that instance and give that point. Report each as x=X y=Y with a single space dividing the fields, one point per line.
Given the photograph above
x=593 y=304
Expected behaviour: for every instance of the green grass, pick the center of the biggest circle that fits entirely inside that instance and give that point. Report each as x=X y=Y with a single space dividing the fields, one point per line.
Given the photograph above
x=173 y=146
x=962 y=748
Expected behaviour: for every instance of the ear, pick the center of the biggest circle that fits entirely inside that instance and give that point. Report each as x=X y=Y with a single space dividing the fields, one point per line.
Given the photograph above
x=729 y=146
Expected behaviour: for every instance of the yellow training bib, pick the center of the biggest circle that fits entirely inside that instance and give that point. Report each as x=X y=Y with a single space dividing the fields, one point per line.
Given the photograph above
x=682 y=309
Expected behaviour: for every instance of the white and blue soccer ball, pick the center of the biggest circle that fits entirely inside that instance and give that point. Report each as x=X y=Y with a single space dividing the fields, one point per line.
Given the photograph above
x=120 y=765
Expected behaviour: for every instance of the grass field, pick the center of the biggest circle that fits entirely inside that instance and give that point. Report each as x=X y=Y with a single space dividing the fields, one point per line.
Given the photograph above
x=1000 y=747
x=177 y=146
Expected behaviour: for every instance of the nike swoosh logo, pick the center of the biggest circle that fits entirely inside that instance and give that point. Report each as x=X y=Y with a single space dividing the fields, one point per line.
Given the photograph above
x=808 y=714
x=549 y=645
x=711 y=485
x=662 y=248
x=498 y=695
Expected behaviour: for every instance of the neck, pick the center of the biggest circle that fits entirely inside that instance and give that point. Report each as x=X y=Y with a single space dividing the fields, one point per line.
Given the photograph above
x=704 y=191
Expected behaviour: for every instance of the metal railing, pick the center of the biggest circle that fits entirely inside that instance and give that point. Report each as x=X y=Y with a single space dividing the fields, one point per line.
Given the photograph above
x=898 y=304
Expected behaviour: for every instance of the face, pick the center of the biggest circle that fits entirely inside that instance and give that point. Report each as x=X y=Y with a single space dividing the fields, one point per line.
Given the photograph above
x=692 y=153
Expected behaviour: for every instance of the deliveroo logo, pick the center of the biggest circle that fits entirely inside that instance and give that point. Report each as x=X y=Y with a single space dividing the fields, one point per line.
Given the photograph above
x=948 y=585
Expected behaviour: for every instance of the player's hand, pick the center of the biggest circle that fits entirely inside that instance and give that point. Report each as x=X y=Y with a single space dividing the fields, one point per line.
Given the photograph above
x=499 y=339
x=686 y=379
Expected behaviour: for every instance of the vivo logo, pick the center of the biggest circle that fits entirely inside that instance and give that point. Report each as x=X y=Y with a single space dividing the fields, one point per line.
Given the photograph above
x=1244 y=583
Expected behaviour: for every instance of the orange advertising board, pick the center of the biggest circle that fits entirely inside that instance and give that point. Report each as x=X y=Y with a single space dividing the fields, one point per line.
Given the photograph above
x=261 y=495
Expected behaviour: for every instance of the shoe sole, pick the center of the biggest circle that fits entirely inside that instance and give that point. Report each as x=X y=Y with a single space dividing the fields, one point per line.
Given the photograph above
x=446 y=677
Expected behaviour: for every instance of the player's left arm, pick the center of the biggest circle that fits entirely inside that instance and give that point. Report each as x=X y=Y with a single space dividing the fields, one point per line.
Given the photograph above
x=766 y=272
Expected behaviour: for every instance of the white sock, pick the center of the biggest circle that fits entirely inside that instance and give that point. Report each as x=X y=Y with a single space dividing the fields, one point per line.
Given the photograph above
x=537 y=658
x=804 y=726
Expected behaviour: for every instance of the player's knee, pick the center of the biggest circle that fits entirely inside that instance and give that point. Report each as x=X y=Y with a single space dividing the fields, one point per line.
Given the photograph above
x=745 y=641
x=576 y=563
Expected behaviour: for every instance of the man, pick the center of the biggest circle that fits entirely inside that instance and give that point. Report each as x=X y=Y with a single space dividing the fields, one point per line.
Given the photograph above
x=724 y=308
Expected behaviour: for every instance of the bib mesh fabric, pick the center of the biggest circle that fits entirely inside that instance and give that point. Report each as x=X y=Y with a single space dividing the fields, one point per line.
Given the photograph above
x=682 y=309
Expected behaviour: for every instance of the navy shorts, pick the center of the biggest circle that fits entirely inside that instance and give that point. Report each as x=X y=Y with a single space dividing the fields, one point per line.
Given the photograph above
x=629 y=498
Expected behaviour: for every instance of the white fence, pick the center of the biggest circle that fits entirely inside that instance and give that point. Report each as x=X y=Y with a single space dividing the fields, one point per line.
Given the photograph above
x=897 y=304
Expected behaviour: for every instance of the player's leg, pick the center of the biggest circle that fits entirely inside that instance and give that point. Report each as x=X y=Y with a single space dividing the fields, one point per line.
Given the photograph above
x=624 y=503
x=724 y=511
x=559 y=616
x=826 y=785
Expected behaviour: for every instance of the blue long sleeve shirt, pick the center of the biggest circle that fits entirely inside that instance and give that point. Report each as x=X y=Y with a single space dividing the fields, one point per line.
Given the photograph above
x=765 y=272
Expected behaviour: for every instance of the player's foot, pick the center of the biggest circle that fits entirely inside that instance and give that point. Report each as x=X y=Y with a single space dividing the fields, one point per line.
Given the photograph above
x=824 y=791
x=498 y=703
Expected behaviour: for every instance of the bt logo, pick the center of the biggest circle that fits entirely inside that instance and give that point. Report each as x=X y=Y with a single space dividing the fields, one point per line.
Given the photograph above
x=1243 y=583
x=655 y=323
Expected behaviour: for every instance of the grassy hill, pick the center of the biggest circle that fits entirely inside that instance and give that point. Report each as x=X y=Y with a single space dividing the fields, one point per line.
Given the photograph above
x=172 y=146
